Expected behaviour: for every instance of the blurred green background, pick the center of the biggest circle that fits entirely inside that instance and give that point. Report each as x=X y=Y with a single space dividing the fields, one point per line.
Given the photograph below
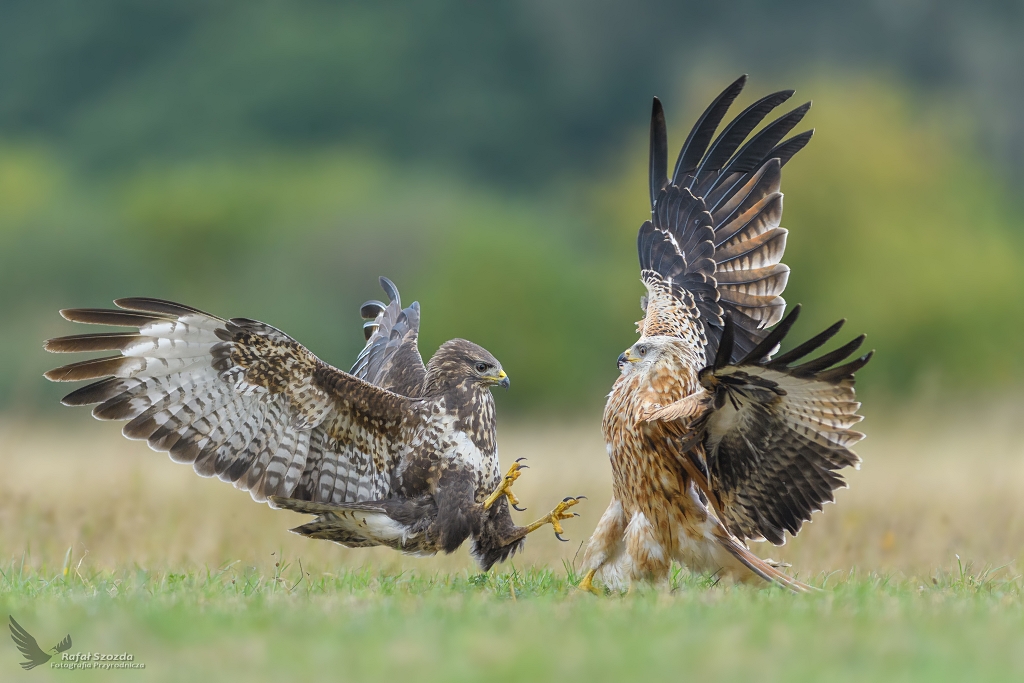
x=270 y=160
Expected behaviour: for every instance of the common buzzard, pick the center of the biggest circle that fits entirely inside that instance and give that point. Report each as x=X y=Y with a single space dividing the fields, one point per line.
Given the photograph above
x=712 y=441
x=393 y=453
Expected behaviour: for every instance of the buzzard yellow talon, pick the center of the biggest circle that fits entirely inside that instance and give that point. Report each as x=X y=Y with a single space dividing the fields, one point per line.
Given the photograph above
x=505 y=488
x=587 y=584
x=555 y=517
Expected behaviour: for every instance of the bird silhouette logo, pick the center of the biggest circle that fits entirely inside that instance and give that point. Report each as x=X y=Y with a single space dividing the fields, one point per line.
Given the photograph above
x=34 y=656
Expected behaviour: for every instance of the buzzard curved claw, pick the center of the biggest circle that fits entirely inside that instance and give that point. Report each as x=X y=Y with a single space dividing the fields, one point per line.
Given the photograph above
x=505 y=487
x=555 y=517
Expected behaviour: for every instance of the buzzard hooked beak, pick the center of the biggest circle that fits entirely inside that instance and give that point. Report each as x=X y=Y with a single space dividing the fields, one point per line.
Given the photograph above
x=501 y=379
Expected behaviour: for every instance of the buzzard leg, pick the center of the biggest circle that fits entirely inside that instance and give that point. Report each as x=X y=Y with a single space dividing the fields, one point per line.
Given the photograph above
x=505 y=488
x=555 y=517
x=515 y=534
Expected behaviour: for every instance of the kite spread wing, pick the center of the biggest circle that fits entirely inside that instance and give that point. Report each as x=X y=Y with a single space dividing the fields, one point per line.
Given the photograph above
x=713 y=244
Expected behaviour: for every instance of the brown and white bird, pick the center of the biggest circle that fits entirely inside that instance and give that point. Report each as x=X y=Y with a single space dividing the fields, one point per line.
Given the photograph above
x=393 y=453
x=712 y=441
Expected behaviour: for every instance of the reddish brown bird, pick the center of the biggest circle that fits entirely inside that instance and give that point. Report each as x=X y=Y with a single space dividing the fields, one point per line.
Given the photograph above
x=712 y=441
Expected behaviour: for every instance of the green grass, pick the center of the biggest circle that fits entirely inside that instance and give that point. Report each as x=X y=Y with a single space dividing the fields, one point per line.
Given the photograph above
x=364 y=625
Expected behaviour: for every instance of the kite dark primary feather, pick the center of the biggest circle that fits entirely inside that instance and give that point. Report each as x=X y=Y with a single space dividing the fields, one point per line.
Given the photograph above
x=712 y=441
x=393 y=453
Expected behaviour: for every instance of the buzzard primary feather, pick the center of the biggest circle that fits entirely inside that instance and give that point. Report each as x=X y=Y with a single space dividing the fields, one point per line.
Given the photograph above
x=393 y=453
x=712 y=441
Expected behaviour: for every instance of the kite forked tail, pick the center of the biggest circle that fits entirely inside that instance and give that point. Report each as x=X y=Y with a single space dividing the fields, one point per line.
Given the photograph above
x=758 y=566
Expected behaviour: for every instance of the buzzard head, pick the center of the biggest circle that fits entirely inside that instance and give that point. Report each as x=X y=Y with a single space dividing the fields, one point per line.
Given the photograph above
x=462 y=363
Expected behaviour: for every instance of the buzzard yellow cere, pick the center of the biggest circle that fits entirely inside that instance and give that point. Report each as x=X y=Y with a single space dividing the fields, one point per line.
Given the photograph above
x=713 y=440
x=393 y=453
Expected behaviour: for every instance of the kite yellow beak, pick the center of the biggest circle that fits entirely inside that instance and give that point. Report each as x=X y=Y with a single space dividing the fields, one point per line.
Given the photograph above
x=627 y=357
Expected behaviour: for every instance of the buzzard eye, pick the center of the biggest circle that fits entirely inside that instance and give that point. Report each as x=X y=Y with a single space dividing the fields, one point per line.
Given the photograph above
x=481 y=367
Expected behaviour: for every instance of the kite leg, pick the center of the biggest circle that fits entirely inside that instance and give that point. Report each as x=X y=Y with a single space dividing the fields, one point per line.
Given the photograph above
x=505 y=488
x=587 y=583
x=605 y=547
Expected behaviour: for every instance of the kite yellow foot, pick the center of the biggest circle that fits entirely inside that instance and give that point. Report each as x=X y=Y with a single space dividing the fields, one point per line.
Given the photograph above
x=505 y=488
x=587 y=584
x=555 y=517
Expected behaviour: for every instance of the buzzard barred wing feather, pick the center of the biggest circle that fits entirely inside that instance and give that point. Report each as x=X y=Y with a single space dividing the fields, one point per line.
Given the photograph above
x=391 y=357
x=777 y=433
x=238 y=399
x=713 y=244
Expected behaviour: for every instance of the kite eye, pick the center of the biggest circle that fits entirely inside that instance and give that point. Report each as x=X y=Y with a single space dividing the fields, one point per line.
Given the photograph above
x=481 y=367
x=642 y=350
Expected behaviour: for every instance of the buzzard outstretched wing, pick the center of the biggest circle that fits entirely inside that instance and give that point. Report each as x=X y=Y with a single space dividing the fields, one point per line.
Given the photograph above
x=391 y=358
x=239 y=400
x=713 y=244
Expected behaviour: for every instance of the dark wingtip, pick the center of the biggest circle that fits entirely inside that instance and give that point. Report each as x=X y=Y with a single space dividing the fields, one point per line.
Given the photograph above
x=774 y=337
x=703 y=130
x=371 y=309
x=390 y=289
x=725 y=344
x=658 y=160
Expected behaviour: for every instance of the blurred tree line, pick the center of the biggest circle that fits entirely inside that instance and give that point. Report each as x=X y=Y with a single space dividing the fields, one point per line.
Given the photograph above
x=270 y=160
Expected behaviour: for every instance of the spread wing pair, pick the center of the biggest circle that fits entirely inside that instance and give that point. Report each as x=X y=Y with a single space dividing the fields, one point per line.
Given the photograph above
x=773 y=434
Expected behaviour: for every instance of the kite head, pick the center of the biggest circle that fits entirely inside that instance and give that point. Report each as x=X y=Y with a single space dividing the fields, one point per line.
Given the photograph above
x=641 y=354
x=651 y=351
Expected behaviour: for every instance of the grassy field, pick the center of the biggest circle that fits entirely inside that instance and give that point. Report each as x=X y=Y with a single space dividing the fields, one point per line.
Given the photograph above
x=103 y=539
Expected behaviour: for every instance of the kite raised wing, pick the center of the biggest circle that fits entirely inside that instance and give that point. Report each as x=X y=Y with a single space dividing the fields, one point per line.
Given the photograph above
x=394 y=453
x=707 y=451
